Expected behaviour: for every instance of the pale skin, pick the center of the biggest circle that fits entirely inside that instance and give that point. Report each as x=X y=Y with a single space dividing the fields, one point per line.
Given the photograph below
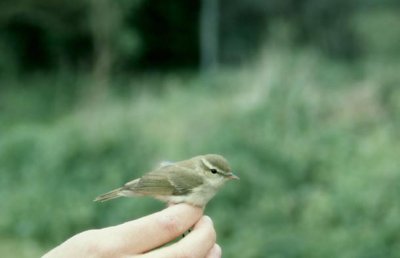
x=143 y=237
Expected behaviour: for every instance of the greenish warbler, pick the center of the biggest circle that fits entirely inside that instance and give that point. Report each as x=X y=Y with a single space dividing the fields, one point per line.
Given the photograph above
x=194 y=181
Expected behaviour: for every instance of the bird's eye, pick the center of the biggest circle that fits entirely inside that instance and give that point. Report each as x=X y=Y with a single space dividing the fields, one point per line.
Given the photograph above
x=213 y=170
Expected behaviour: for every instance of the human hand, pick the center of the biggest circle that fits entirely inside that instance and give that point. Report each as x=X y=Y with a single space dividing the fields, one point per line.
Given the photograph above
x=142 y=237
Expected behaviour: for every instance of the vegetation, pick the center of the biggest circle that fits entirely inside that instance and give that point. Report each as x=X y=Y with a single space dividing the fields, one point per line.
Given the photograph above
x=315 y=142
x=314 y=138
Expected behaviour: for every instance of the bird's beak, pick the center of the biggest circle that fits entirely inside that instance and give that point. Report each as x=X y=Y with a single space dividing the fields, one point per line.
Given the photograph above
x=232 y=176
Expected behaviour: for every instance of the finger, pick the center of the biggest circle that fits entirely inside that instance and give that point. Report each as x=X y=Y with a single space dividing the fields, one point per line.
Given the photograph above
x=197 y=244
x=215 y=252
x=154 y=230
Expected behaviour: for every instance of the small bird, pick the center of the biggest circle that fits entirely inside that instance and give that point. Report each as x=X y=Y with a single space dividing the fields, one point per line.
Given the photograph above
x=194 y=181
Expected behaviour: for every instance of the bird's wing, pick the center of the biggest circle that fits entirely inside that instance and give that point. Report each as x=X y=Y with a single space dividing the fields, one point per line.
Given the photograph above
x=184 y=181
x=150 y=184
x=172 y=181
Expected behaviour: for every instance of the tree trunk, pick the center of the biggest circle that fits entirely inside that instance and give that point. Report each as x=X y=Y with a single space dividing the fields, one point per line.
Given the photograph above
x=209 y=35
x=103 y=23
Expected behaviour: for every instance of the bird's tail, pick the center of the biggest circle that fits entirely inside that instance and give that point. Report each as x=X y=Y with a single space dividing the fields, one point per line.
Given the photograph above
x=110 y=195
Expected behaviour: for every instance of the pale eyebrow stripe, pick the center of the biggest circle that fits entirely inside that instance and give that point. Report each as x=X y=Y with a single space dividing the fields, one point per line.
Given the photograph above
x=207 y=163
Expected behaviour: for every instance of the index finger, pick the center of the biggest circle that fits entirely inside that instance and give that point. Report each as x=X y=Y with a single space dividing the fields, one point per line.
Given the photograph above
x=196 y=244
x=154 y=230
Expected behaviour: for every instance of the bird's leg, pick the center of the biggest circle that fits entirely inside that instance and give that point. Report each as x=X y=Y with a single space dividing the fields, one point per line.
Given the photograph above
x=186 y=232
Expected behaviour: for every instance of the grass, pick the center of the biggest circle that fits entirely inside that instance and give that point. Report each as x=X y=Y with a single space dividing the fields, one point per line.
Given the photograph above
x=315 y=142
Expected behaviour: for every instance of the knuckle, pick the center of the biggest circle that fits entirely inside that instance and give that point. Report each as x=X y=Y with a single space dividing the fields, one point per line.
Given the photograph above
x=170 y=224
x=92 y=245
x=85 y=237
x=85 y=241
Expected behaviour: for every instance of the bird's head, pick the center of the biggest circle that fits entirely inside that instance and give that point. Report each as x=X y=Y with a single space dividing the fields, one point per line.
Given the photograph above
x=216 y=168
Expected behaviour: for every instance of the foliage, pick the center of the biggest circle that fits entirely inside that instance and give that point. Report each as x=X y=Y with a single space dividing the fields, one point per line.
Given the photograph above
x=315 y=142
x=44 y=35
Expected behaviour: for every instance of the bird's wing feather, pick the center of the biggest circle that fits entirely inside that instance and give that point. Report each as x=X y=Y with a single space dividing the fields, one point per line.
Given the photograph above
x=150 y=184
x=184 y=182
x=171 y=181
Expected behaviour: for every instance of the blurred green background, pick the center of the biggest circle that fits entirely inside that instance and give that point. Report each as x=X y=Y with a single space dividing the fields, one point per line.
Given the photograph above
x=301 y=96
